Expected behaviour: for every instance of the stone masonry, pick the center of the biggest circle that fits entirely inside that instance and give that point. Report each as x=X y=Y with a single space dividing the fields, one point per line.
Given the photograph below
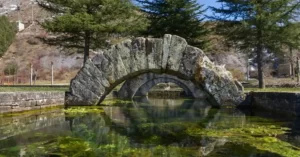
x=169 y=55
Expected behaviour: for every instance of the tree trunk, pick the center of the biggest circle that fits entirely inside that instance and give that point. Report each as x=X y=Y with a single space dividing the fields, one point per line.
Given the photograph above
x=259 y=47
x=260 y=66
x=292 y=64
x=87 y=39
x=298 y=70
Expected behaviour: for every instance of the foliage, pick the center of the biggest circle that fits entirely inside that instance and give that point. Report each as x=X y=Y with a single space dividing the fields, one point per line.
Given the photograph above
x=83 y=24
x=179 y=17
x=7 y=34
x=11 y=69
x=258 y=25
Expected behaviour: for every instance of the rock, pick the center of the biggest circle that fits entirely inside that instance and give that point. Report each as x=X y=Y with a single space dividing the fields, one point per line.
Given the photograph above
x=177 y=47
x=138 y=54
x=154 y=54
x=170 y=55
x=166 y=50
x=189 y=59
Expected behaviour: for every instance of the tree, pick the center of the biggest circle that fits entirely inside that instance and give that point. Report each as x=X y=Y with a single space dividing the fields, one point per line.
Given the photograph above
x=292 y=42
x=82 y=23
x=257 y=24
x=180 y=17
x=7 y=34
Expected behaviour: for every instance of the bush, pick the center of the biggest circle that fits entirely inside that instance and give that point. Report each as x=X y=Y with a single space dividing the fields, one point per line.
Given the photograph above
x=237 y=74
x=7 y=34
x=11 y=69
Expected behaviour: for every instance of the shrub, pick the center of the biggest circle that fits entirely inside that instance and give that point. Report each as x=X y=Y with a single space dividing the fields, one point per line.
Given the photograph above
x=7 y=34
x=237 y=74
x=11 y=69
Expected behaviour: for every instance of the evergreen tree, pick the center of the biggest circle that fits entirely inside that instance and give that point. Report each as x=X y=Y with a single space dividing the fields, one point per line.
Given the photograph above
x=82 y=23
x=7 y=34
x=179 y=17
x=256 y=24
x=291 y=38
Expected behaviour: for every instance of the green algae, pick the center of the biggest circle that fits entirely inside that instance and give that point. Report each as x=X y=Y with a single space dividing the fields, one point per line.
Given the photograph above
x=261 y=137
x=110 y=102
x=79 y=111
x=34 y=111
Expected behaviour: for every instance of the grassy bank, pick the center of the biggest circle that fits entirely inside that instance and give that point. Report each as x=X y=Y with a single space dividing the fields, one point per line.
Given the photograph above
x=286 y=90
x=32 y=89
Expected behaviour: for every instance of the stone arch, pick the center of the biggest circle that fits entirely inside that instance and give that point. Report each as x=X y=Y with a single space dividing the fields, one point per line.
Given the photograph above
x=141 y=84
x=130 y=58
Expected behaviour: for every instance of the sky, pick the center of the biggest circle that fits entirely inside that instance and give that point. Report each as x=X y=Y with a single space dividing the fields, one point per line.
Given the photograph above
x=208 y=3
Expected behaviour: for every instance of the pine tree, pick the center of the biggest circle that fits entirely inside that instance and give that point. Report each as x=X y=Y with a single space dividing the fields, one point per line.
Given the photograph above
x=7 y=34
x=179 y=17
x=291 y=38
x=256 y=24
x=82 y=23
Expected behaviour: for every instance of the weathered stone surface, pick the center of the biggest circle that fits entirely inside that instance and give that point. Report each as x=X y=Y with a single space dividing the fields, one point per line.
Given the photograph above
x=217 y=81
x=102 y=64
x=177 y=47
x=188 y=63
x=140 y=86
x=275 y=102
x=170 y=55
x=166 y=50
x=154 y=54
x=117 y=69
x=23 y=101
x=138 y=54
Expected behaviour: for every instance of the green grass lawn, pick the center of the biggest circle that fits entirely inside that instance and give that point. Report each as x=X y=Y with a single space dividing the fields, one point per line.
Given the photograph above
x=32 y=89
x=273 y=90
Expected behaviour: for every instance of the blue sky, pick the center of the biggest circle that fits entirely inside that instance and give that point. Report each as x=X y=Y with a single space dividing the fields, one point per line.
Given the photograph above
x=209 y=3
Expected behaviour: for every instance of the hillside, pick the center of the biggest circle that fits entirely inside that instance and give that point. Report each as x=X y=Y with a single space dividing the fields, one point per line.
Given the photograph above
x=29 y=49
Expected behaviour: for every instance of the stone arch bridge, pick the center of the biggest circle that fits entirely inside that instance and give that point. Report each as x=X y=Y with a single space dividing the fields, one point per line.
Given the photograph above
x=142 y=84
x=169 y=55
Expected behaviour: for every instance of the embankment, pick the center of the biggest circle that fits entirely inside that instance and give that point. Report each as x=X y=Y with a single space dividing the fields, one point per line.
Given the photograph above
x=24 y=101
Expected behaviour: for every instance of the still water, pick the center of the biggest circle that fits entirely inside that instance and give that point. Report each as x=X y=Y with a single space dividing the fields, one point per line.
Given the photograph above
x=146 y=128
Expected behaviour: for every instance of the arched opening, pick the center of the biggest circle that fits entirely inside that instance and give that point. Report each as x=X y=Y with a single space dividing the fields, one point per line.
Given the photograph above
x=144 y=89
x=140 y=86
x=167 y=90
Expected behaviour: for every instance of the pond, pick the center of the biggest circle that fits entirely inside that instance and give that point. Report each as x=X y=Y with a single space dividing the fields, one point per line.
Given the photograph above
x=154 y=127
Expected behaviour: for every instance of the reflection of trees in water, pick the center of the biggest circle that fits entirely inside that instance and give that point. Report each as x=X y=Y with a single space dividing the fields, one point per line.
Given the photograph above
x=16 y=130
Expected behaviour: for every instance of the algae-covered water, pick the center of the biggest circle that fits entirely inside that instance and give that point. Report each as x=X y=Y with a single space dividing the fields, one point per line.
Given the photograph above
x=146 y=128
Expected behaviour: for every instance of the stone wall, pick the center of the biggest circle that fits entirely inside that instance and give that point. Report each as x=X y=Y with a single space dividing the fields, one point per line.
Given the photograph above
x=23 y=101
x=282 y=103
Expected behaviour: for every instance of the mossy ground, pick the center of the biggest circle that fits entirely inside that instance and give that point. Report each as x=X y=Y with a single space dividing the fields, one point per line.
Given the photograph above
x=283 y=90
x=32 y=89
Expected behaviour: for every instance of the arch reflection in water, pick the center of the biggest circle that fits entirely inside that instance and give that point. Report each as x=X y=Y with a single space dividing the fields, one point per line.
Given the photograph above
x=160 y=122
x=152 y=127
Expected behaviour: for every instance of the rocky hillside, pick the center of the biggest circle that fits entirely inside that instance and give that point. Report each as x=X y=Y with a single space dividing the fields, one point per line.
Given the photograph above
x=28 y=49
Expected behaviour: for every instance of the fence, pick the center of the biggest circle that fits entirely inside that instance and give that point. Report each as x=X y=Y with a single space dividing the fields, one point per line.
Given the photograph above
x=30 y=77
